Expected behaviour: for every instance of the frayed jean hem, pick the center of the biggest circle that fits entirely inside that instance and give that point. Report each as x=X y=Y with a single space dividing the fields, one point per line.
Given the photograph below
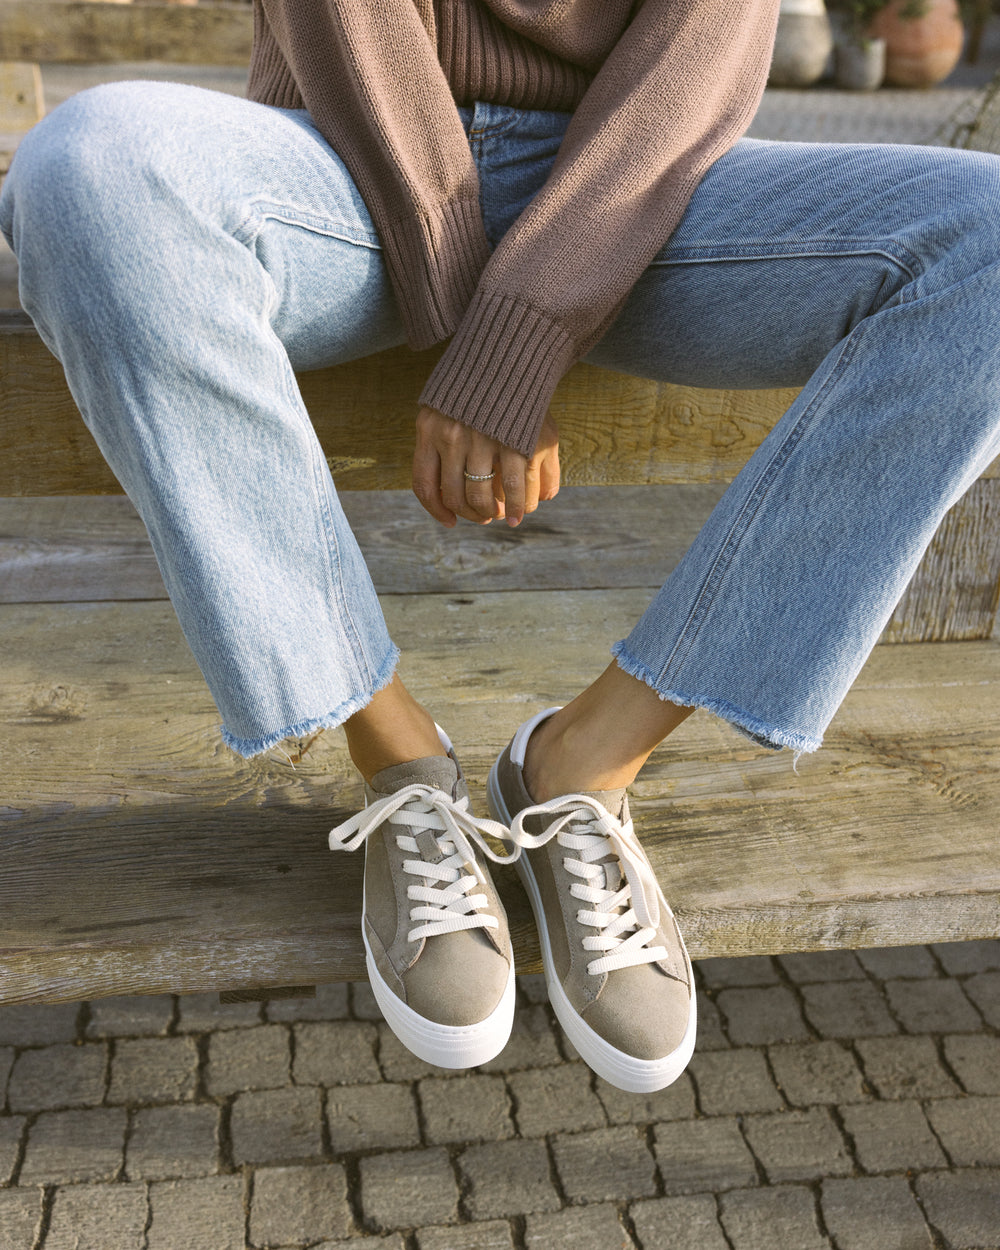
x=249 y=747
x=749 y=726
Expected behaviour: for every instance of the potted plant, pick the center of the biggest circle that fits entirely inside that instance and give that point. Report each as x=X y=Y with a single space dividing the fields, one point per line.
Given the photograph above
x=859 y=57
x=923 y=38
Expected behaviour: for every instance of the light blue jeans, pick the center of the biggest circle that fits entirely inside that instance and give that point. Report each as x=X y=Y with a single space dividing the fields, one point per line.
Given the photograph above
x=183 y=252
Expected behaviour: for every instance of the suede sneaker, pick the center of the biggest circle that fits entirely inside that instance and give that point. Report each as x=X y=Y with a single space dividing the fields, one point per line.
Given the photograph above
x=618 y=976
x=437 y=947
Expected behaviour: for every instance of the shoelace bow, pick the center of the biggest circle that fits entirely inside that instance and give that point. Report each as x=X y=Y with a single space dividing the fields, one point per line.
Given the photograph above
x=626 y=917
x=444 y=902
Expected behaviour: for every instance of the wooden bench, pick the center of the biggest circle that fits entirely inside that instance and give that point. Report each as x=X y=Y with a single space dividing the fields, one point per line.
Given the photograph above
x=142 y=857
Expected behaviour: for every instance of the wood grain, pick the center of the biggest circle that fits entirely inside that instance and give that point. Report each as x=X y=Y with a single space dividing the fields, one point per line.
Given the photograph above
x=46 y=30
x=142 y=857
x=22 y=100
x=614 y=429
x=71 y=550
x=954 y=594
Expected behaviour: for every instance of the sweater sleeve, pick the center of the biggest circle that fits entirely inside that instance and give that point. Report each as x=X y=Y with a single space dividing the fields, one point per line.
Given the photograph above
x=678 y=89
x=369 y=75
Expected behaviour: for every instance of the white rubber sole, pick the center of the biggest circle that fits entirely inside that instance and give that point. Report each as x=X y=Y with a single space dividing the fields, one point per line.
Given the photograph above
x=447 y=1046
x=624 y=1071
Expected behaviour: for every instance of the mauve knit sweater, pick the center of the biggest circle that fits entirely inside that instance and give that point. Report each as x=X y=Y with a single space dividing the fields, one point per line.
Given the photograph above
x=659 y=89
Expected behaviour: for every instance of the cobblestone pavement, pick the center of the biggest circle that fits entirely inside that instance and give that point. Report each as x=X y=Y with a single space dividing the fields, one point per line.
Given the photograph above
x=838 y=1100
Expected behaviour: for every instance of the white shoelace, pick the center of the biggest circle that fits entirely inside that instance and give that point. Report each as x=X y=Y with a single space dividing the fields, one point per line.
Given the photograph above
x=445 y=901
x=626 y=912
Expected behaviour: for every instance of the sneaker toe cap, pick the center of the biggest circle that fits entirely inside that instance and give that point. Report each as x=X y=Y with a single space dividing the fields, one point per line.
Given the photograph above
x=642 y=1012
x=458 y=980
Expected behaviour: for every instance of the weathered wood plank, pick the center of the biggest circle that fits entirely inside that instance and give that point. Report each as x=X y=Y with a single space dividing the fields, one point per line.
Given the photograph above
x=955 y=592
x=22 y=99
x=47 y=30
x=614 y=429
x=141 y=857
x=94 y=549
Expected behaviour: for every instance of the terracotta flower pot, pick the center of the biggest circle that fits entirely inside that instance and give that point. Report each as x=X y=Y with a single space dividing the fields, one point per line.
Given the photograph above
x=920 y=51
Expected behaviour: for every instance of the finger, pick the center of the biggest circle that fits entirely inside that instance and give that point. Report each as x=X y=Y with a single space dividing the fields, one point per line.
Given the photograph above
x=480 y=492
x=513 y=471
x=427 y=485
x=549 y=475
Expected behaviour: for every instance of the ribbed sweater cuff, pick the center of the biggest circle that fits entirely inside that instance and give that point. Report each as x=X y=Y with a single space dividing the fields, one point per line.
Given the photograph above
x=500 y=370
x=435 y=263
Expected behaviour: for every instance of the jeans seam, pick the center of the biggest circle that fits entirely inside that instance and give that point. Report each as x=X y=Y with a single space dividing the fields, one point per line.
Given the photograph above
x=688 y=633
x=262 y=211
x=906 y=261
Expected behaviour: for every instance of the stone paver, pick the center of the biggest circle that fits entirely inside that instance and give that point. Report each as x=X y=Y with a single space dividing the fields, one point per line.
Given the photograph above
x=964 y=1206
x=975 y=1060
x=173 y=1142
x=203 y=1013
x=489 y=1235
x=699 y=1155
x=330 y=1002
x=786 y=1129
x=892 y=1136
x=203 y=1214
x=963 y=958
x=890 y=962
x=38 y=1024
x=932 y=1006
x=810 y=966
x=98 y=1217
x=848 y=1009
x=905 y=1067
x=372 y=1117
x=130 y=1017
x=11 y=1133
x=58 y=1076
x=874 y=1213
x=676 y=1102
x=248 y=1059
x=532 y=1043
x=798 y=1145
x=784 y=1216
x=587 y=1228
x=146 y=1070
x=339 y=1052
x=719 y=974
x=711 y=1033
x=969 y=1130
x=399 y=1064
x=409 y=1189
x=555 y=1100
x=734 y=1082
x=277 y=1126
x=984 y=990
x=74 y=1146
x=755 y=1017
x=465 y=1109
x=508 y=1178
x=817 y=1072
x=20 y=1217
x=601 y=1165
x=679 y=1223
x=299 y=1204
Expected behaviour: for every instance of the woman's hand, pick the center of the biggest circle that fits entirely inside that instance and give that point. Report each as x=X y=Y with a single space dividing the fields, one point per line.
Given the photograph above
x=446 y=450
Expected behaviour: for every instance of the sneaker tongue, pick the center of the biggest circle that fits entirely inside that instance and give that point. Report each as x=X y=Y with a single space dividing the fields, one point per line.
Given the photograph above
x=613 y=800
x=617 y=804
x=439 y=772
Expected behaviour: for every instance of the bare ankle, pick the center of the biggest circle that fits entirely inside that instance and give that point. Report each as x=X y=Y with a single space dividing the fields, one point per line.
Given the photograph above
x=392 y=729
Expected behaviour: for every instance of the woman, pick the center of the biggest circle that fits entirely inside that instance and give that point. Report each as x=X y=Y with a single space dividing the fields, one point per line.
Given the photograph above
x=538 y=182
